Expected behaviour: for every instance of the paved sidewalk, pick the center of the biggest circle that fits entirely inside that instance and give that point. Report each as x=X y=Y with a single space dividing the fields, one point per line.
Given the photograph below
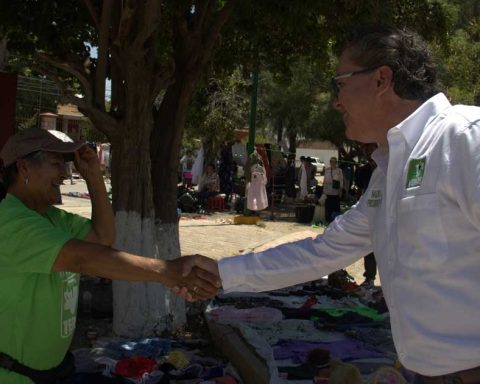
x=215 y=235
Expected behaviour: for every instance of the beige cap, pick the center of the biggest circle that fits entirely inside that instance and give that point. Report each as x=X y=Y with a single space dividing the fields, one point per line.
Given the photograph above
x=36 y=139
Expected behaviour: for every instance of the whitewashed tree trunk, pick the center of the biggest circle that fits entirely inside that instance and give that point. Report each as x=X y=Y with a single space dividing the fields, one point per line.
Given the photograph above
x=168 y=247
x=138 y=307
x=145 y=309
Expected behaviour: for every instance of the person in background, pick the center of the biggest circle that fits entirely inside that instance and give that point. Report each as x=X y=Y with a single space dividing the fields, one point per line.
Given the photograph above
x=187 y=164
x=69 y=171
x=209 y=184
x=303 y=177
x=44 y=249
x=362 y=178
x=226 y=170
x=332 y=188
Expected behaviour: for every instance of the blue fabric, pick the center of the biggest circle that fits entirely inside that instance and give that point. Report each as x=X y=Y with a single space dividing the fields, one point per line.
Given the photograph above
x=148 y=347
x=344 y=350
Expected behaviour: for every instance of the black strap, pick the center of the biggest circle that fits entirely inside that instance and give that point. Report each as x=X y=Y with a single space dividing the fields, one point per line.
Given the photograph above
x=59 y=375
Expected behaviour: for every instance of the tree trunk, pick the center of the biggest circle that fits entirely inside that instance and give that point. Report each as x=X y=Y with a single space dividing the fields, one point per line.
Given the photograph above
x=139 y=309
x=292 y=138
x=279 y=129
x=165 y=153
x=193 y=43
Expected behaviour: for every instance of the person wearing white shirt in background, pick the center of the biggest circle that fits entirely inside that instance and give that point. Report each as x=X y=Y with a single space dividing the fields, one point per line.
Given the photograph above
x=187 y=162
x=420 y=213
x=332 y=188
x=303 y=179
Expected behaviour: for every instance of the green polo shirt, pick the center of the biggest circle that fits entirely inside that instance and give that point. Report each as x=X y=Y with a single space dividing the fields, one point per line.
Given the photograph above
x=38 y=308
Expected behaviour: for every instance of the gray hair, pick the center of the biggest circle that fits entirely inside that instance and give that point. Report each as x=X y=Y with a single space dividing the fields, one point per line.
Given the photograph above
x=405 y=52
x=10 y=173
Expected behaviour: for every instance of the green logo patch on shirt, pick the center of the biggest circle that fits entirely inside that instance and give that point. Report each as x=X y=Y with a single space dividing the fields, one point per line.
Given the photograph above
x=416 y=169
x=375 y=198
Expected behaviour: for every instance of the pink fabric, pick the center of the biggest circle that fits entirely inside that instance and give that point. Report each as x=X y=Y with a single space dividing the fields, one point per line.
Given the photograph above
x=257 y=193
x=260 y=314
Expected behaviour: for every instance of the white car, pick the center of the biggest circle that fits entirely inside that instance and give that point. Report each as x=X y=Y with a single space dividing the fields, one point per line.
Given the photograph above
x=319 y=164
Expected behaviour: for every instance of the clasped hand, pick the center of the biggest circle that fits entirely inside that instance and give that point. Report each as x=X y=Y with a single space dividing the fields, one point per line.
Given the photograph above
x=197 y=278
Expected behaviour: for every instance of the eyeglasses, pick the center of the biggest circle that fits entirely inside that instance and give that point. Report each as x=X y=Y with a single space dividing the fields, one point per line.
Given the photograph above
x=336 y=87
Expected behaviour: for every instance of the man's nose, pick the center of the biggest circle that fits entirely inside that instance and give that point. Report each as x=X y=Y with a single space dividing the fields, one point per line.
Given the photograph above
x=336 y=104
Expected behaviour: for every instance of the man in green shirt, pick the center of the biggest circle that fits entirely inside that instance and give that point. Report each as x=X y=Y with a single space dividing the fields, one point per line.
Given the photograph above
x=43 y=250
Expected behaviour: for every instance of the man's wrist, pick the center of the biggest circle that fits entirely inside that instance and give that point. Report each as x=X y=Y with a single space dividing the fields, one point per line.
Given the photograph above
x=165 y=271
x=93 y=176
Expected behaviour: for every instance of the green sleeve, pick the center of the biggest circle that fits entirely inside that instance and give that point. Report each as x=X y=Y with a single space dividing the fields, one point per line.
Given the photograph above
x=32 y=242
x=76 y=225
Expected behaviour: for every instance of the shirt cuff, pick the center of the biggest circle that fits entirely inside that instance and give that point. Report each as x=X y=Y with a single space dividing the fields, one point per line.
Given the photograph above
x=231 y=270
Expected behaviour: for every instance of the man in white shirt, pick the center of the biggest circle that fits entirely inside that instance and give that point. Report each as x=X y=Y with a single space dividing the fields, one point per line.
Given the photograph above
x=420 y=213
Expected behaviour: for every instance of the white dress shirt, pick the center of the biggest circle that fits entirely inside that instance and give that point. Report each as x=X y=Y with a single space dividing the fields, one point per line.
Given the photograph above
x=421 y=217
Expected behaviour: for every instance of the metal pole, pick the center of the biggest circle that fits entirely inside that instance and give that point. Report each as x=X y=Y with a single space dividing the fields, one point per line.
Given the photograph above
x=272 y=206
x=253 y=114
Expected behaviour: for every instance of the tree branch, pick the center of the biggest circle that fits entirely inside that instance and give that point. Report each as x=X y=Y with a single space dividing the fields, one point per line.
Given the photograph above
x=213 y=32
x=104 y=122
x=92 y=12
x=152 y=12
x=164 y=77
x=127 y=13
x=202 y=8
x=101 y=120
x=69 y=68
x=103 y=40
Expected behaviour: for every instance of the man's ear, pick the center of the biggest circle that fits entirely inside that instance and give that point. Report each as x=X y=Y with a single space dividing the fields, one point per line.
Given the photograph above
x=384 y=77
x=22 y=168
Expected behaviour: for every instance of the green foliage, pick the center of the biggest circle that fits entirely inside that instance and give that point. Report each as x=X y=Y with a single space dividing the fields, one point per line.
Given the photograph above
x=458 y=70
x=293 y=44
x=88 y=132
x=219 y=107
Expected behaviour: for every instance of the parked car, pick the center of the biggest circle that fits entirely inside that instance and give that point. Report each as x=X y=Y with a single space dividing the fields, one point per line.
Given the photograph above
x=319 y=164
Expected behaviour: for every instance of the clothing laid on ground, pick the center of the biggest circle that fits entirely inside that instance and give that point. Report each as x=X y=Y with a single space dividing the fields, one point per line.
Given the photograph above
x=421 y=217
x=37 y=307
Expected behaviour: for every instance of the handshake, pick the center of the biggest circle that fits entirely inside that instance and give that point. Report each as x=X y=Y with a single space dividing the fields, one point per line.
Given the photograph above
x=193 y=277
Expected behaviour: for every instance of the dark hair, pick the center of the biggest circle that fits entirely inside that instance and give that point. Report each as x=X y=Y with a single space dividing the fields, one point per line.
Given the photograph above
x=10 y=173
x=404 y=51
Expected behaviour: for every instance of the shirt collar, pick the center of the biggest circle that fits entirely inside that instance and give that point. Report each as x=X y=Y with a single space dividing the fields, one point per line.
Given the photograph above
x=413 y=126
x=380 y=156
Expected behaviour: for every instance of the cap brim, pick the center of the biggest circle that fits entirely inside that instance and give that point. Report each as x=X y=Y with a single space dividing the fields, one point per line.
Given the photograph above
x=67 y=149
x=63 y=147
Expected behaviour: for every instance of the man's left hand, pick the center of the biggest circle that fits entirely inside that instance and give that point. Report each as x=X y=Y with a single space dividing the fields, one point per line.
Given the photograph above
x=87 y=162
